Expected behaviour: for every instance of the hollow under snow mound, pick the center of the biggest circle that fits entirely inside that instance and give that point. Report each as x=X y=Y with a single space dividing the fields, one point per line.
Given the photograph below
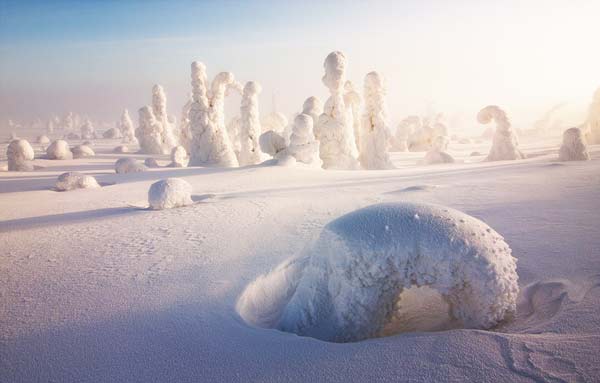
x=356 y=281
x=170 y=193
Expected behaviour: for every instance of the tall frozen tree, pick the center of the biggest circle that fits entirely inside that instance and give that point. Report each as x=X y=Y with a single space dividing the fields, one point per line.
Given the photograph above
x=250 y=129
x=210 y=142
x=149 y=132
x=88 y=132
x=126 y=127
x=374 y=139
x=335 y=131
x=185 y=134
x=505 y=145
x=353 y=103
x=159 y=108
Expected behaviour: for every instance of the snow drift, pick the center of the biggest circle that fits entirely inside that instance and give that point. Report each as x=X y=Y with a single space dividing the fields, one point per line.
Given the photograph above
x=18 y=153
x=75 y=180
x=347 y=285
x=573 y=147
x=504 y=143
x=169 y=193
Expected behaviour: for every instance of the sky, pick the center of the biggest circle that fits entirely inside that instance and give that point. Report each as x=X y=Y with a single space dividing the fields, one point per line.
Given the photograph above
x=98 y=57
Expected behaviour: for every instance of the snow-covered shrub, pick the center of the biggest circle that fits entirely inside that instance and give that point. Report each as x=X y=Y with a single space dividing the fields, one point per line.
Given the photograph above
x=593 y=120
x=129 y=165
x=126 y=127
x=250 y=128
x=43 y=140
x=573 y=147
x=210 y=145
x=312 y=107
x=18 y=153
x=272 y=143
x=75 y=180
x=303 y=146
x=112 y=133
x=179 y=157
x=374 y=138
x=59 y=150
x=505 y=143
x=82 y=151
x=121 y=149
x=151 y=162
x=334 y=130
x=87 y=130
x=348 y=285
x=406 y=128
x=170 y=193
x=437 y=154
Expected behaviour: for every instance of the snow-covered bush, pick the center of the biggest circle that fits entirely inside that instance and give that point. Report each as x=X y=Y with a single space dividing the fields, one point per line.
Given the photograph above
x=303 y=146
x=75 y=180
x=170 y=193
x=593 y=120
x=348 y=285
x=111 y=133
x=210 y=145
x=59 y=150
x=18 y=153
x=151 y=162
x=129 y=165
x=179 y=157
x=353 y=103
x=121 y=149
x=573 y=146
x=406 y=128
x=43 y=140
x=437 y=154
x=148 y=132
x=272 y=143
x=126 y=127
x=505 y=145
x=82 y=151
x=374 y=138
x=312 y=107
x=334 y=130
x=250 y=129
x=88 y=131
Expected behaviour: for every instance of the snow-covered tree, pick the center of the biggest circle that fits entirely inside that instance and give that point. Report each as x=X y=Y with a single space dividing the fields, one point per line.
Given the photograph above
x=68 y=123
x=88 y=132
x=303 y=146
x=437 y=154
x=374 y=138
x=592 y=123
x=405 y=129
x=126 y=127
x=185 y=133
x=505 y=145
x=573 y=147
x=149 y=132
x=210 y=145
x=312 y=106
x=50 y=126
x=250 y=129
x=353 y=102
x=334 y=130
x=19 y=153
x=159 y=108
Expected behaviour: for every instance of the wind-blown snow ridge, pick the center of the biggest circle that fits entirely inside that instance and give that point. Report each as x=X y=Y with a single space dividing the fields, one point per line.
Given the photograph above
x=346 y=286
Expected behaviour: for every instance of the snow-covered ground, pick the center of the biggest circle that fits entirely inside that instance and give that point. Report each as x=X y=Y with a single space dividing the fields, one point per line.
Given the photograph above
x=96 y=288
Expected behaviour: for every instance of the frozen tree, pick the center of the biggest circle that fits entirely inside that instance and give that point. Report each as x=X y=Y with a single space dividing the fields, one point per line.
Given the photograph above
x=126 y=127
x=82 y=151
x=234 y=133
x=312 y=107
x=437 y=154
x=50 y=126
x=87 y=130
x=334 y=130
x=593 y=120
x=210 y=145
x=19 y=153
x=148 y=133
x=406 y=128
x=375 y=134
x=505 y=143
x=159 y=108
x=59 y=150
x=169 y=193
x=75 y=180
x=353 y=102
x=185 y=133
x=544 y=124
x=250 y=129
x=129 y=165
x=179 y=157
x=439 y=126
x=68 y=122
x=573 y=147
x=303 y=146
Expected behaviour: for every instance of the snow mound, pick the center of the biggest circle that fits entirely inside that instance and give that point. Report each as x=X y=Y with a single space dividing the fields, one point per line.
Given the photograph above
x=437 y=153
x=121 y=149
x=112 y=133
x=170 y=193
x=75 y=180
x=573 y=147
x=59 y=150
x=179 y=157
x=18 y=153
x=349 y=284
x=82 y=151
x=129 y=165
x=271 y=142
x=151 y=162
x=43 y=140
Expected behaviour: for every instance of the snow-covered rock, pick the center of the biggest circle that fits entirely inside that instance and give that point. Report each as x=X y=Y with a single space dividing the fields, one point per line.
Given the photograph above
x=59 y=150
x=75 y=180
x=112 y=133
x=170 y=193
x=505 y=145
x=573 y=146
x=43 y=140
x=179 y=157
x=18 y=153
x=250 y=128
x=348 y=285
x=72 y=136
x=82 y=151
x=129 y=165
x=151 y=162
x=121 y=149
x=437 y=154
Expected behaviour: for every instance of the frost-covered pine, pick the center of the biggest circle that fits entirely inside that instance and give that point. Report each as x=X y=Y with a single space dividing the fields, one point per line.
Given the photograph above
x=129 y=165
x=353 y=103
x=75 y=180
x=126 y=127
x=170 y=193
x=159 y=108
x=314 y=108
x=437 y=154
x=505 y=143
x=374 y=139
x=59 y=150
x=303 y=146
x=334 y=130
x=573 y=146
x=82 y=151
x=210 y=145
x=406 y=128
x=18 y=153
x=250 y=128
x=593 y=120
x=179 y=157
x=149 y=132
x=88 y=132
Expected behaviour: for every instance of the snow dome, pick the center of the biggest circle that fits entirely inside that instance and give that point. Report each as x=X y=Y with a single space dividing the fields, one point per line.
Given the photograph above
x=129 y=165
x=18 y=153
x=75 y=180
x=169 y=193
x=82 y=151
x=59 y=150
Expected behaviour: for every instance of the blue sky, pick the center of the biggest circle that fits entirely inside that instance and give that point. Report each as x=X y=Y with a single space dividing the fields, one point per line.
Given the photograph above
x=97 y=57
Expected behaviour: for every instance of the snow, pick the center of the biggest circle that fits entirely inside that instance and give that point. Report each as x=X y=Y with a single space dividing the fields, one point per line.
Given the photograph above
x=303 y=146
x=504 y=142
x=126 y=127
x=250 y=128
x=59 y=150
x=437 y=153
x=82 y=151
x=169 y=193
x=129 y=165
x=75 y=180
x=19 y=153
x=573 y=147
x=179 y=157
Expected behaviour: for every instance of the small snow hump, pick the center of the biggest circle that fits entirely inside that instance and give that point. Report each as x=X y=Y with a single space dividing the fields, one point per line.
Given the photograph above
x=349 y=283
x=170 y=193
x=75 y=180
x=129 y=165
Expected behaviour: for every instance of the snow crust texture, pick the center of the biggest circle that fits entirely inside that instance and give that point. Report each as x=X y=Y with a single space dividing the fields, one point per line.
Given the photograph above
x=504 y=142
x=59 y=150
x=18 y=153
x=75 y=180
x=129 y=165
x=169 y=193
x=346 y=286
x=573 y=147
